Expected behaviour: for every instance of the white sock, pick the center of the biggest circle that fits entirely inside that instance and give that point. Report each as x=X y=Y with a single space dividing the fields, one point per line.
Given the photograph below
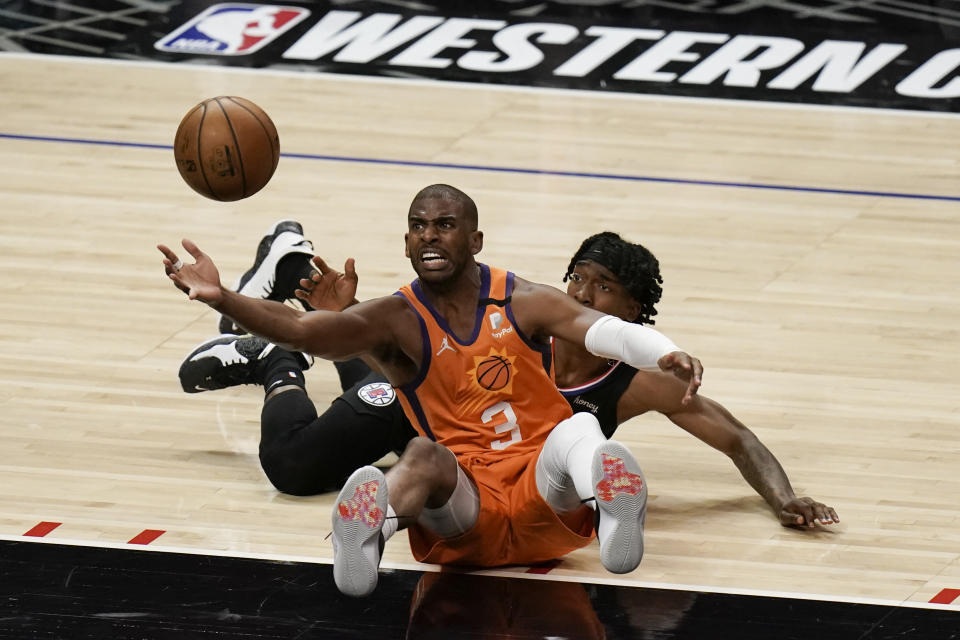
x=390 y=524
x=580 y=469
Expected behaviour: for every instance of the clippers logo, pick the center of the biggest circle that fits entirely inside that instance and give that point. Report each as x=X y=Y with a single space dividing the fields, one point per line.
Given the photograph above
x=232 y=29
x=378 y=394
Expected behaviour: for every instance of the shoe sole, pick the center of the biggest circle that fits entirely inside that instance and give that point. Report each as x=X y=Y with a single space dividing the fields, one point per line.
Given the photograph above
x=622 y=504
x=357 y=521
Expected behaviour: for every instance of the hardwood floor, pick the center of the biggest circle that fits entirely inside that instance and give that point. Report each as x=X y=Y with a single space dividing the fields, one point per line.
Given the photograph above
x=810 y=259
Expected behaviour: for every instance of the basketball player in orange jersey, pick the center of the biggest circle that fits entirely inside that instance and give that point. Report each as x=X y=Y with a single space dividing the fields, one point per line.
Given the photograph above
x=502 y=468
x=304 y=453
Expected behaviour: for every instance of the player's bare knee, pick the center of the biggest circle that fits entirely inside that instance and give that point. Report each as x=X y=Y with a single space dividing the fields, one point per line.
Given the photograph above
x=431 y=464
x=419 y=451
x=426 y=456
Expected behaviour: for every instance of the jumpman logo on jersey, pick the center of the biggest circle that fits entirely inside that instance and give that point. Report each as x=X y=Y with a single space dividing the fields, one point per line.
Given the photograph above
x=445 y=346
x=363 y=505
x=617 y=480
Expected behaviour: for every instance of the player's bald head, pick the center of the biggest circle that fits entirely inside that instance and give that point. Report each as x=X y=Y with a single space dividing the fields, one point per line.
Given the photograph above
x=446 y=192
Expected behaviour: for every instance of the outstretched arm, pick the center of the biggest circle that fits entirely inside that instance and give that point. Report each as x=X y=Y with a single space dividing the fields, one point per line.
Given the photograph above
x=325 y=334
x=713 y=424
x=545 y=311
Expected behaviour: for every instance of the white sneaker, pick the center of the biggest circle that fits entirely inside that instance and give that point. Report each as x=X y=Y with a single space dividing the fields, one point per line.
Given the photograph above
x=224 y=361
x=621 y=495
x=282 y=239
x=228 y=360
x=358 y=515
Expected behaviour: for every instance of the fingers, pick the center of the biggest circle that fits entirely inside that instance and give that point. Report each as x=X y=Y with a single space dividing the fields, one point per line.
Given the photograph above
x=696 y=379
x=807 y=512
x=167 y=252
x=322 y=266
x=349 y=268
x=307 y=285
x=685 y=367
x=824 y=514
x=697 y=370
x=821 y=513
x=691 y=391
x=169 y=258
x=192 y=248
x=797 y=514
x=808 y=517
x=790 y=519
x=169 y=261
x=679 y=363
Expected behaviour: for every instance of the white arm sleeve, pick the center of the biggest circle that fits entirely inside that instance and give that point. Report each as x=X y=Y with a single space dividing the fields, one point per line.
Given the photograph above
x=637 y=345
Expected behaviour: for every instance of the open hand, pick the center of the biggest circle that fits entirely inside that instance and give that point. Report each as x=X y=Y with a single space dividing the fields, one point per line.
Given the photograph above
x=806 y=512
x=328 y=289
x=200 y=280
x=685 y=367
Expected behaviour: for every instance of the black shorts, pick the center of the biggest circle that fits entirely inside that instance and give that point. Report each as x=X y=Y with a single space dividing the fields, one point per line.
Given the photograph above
x=373 y=396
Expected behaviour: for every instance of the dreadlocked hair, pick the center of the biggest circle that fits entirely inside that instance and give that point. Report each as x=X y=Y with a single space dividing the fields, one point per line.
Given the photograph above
x=634 y=266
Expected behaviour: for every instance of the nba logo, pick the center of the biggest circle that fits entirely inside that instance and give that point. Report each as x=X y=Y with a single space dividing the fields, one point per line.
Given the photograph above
x=232 y=29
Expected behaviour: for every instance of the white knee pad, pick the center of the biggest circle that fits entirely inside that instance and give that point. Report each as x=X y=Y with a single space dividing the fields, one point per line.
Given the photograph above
x=458 y=514
x=563 y=467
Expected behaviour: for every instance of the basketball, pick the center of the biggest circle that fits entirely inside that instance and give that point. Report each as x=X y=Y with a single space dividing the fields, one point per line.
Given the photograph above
x=493 y=373
x=226 y=148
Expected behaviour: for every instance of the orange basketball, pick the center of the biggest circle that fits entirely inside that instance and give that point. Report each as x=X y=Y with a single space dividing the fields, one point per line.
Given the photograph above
x=226 y=148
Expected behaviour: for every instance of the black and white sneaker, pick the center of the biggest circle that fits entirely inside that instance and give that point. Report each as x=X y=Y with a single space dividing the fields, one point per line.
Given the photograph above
x=224 y=361
x=259 y=281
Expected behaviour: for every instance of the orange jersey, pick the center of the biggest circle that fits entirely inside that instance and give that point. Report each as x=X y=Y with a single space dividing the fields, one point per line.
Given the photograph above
x=491 y=399
x=492 y=393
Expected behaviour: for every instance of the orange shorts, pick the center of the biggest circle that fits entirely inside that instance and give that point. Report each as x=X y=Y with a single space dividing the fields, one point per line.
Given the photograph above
x=515 y=525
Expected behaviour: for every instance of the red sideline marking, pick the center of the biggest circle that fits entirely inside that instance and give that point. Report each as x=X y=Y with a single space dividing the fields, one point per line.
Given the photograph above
x=946 y=596
x=42 y=529
x=146 y=536
x=546 y=567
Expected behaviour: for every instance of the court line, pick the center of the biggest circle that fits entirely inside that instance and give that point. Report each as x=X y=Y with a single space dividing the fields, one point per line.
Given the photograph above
x=522 y=170
x=423 y=568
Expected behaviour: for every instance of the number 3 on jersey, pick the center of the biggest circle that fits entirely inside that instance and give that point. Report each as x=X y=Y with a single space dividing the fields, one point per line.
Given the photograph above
x=510 y=424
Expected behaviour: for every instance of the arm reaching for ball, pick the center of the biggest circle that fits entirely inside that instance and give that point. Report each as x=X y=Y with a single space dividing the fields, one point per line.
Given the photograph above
x=375 y=328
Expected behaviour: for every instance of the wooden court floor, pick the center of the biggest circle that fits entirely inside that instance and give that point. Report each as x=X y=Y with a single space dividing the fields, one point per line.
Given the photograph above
x=810 y=258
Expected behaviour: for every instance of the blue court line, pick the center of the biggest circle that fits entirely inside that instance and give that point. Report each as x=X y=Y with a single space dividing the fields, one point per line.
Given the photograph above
x=520 y=170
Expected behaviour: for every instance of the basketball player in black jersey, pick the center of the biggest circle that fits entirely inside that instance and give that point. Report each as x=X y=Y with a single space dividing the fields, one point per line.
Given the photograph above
x=304 y=454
